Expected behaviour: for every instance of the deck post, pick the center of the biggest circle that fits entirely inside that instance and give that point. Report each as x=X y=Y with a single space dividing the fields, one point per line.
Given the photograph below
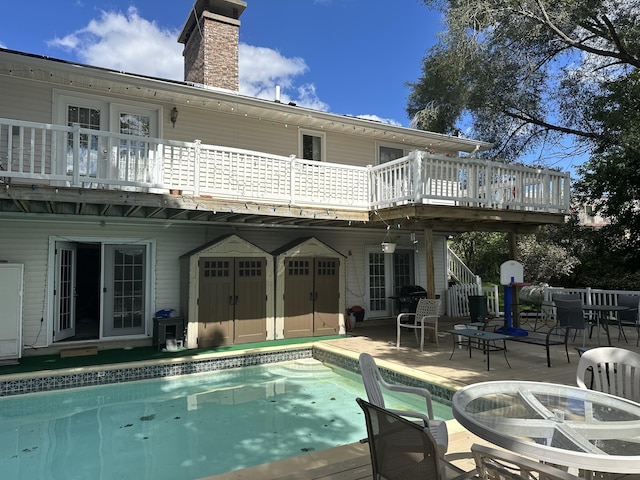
x=430 y=267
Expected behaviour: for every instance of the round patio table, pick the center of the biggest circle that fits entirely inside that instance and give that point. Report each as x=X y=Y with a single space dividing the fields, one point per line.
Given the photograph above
x=563 y=425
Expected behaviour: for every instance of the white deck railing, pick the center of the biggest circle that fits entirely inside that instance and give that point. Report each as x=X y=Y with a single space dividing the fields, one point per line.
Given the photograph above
x=462 y=181
x=62 y=155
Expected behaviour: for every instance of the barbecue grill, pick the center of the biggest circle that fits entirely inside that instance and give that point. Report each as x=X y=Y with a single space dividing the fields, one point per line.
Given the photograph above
x=408 y=297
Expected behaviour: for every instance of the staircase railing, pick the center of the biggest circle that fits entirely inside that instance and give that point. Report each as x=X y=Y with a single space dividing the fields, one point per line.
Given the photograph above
x=459 y=270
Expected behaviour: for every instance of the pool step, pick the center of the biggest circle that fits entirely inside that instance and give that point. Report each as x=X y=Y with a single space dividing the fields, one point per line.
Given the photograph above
x=79 y=352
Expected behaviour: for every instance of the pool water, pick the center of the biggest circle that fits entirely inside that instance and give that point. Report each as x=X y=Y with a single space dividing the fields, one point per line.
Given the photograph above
x=185 y=427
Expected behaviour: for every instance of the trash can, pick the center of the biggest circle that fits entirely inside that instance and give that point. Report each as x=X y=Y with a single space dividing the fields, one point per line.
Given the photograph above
x=478 y=310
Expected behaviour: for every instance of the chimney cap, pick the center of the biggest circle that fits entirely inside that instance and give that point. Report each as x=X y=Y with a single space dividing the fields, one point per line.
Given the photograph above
x=231 y=9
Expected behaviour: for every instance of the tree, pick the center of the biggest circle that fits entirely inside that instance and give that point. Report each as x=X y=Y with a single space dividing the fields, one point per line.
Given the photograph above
x=522 y=74
x=482 y=252
x=545 y=260
x=610 y=179
x=545 y=256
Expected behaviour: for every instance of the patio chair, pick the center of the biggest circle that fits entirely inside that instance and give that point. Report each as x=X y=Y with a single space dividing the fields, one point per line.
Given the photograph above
x=401 y=449
x=494 y=464
x=614 y=370
x=374 y=385
x=424 y=318
x=570 y=316
x=629 y=317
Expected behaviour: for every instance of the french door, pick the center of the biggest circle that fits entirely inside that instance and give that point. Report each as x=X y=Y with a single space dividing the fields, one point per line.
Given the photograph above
x=386 y=273
x=124 y=290
x=123 y=280
x=65 y=290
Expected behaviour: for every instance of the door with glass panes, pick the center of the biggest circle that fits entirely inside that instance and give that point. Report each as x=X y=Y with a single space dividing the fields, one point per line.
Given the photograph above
x=387 y=273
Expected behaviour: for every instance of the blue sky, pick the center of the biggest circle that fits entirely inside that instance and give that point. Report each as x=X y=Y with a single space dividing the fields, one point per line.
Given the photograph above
x=351 y=57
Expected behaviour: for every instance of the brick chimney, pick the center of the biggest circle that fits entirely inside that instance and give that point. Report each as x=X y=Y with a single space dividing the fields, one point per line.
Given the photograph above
x=210 y=37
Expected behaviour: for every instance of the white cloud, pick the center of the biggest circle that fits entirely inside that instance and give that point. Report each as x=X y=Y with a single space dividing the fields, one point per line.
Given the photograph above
x=376 y=118
x=130 y=43
x=126 y=42
x=262 y=69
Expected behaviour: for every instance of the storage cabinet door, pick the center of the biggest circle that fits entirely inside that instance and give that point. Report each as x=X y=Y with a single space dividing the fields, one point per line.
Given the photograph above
x=215 y=302
x=250 y=300
x=327 y=297
x=298 y=297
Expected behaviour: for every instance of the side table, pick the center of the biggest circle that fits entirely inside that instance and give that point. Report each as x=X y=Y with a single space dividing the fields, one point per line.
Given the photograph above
x=483 y=338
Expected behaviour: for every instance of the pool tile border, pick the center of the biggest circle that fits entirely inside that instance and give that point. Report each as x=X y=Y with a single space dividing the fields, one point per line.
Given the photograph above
x=104 y=375
x=439 y=393
x=109 y=374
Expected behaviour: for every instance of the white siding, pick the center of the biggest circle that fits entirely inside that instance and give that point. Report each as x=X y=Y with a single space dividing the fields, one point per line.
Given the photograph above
x=27 y=242
x=25 y=100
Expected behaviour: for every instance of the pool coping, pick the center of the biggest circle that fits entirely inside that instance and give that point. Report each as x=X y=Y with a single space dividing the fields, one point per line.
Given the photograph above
x=86 y=376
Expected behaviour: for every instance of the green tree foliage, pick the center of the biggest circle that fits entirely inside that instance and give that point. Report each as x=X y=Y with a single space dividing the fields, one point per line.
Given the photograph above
x=533 y=75
x=568 y=255
x=546 y=260
x=483 y=253
x=610 y=179
x=523 y=74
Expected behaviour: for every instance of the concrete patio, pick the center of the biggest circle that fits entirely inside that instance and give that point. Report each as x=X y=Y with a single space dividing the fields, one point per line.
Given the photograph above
x=528 y=362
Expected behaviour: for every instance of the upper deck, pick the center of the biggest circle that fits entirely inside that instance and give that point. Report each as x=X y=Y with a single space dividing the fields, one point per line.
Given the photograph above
x=58 y=169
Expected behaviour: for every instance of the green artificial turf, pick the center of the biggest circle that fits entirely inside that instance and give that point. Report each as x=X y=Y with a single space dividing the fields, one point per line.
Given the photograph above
x=104 y=357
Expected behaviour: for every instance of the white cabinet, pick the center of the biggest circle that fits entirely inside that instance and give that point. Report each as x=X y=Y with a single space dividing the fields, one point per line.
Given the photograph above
x=11 y=275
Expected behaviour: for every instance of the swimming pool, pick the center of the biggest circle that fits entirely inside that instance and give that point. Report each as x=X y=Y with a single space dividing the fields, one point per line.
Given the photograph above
x=184 y=427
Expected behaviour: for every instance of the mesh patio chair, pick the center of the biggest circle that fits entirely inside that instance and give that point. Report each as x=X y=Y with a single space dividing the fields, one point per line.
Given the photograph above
x=374 y=385
x=614 y=370
x=570 y=316
x=403 y=450
x=494 y=464
x=629 y=317
x=424 y=318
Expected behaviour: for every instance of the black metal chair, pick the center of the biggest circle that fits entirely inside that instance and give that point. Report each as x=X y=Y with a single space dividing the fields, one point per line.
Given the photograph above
x=403 y=450
x=629 y=317
x=570 y=316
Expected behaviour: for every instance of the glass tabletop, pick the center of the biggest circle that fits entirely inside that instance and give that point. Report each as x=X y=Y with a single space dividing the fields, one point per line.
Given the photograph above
x=561 y=424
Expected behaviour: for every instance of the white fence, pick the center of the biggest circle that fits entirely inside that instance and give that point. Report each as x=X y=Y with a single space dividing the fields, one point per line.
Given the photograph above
x=458 y=301
x=80 y=157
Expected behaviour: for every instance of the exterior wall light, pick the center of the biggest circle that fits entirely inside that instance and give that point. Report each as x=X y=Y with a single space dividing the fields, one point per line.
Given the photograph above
x=173 y=116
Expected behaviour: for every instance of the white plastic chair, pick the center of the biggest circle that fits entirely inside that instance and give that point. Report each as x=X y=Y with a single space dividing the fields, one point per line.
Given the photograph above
x=374 y=385
x=424 y=318
x=615 y=371
x=494 y=464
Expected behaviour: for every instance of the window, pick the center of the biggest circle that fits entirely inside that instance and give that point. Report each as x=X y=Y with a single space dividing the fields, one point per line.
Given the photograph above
x=388 y=154
x=100 y=156
x=312 y=146
x=85 y=117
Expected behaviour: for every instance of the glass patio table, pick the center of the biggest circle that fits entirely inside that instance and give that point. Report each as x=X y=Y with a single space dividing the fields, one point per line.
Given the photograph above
x=570 y=426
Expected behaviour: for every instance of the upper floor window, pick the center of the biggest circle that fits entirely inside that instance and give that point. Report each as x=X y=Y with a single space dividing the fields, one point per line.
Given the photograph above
x=387 y=154
x=312 y=146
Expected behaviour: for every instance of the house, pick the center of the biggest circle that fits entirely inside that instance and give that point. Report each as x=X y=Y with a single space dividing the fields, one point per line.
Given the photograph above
x=122 y=195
